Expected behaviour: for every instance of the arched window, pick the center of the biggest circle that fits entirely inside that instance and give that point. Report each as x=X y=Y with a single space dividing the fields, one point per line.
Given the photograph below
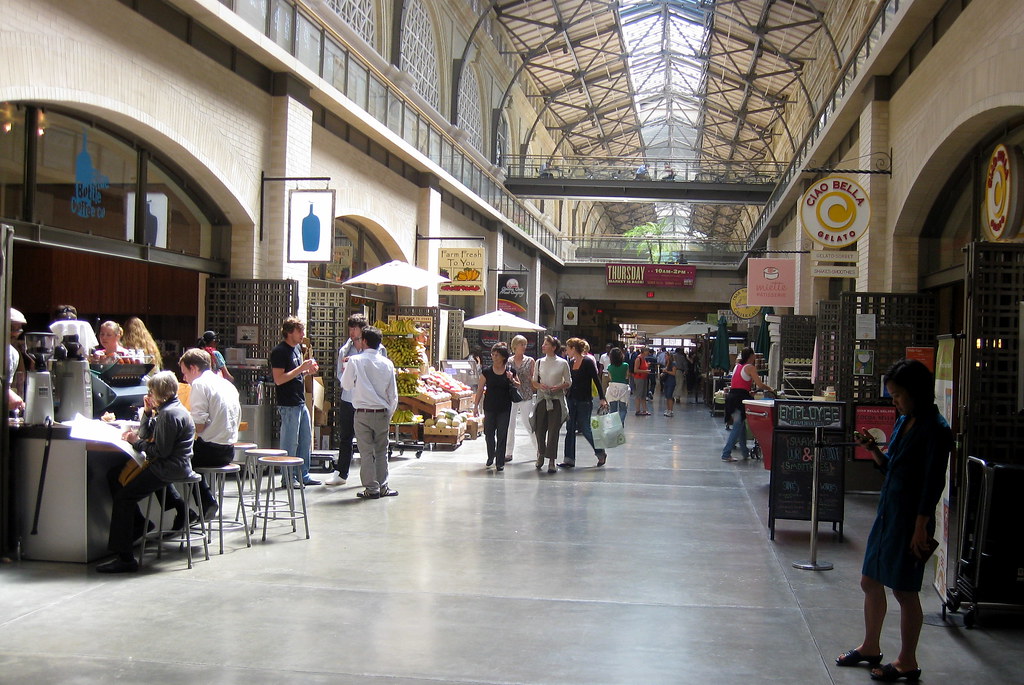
x=359 y=15
x=470 y=119
x=419 y=52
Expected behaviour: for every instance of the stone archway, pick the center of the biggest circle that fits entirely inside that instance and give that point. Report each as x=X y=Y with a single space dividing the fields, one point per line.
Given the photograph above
x=547 y=312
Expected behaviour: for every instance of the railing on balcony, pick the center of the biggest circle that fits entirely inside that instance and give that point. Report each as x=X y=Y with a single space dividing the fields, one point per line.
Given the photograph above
x=648 y=169
x=656 y=250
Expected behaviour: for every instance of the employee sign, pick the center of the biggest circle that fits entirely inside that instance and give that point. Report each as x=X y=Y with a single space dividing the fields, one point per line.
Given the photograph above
x=835 y=211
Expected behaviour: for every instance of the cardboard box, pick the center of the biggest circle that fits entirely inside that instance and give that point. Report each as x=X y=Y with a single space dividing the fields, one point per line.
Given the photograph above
x=315 y=402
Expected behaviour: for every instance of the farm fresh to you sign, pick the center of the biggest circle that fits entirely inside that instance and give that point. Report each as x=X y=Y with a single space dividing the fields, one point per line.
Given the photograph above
x=465 y=266
x=835 y=211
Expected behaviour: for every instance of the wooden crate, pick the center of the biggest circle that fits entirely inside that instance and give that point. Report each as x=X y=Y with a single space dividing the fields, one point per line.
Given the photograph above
x=463 y=401
x=418 y=406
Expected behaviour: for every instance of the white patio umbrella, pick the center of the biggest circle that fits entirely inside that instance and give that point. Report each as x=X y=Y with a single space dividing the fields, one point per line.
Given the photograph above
x=688 y=329
x=501 y=321
x=399 y=273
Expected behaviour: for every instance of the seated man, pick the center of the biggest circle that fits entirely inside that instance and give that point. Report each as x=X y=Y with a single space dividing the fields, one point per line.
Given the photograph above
x=216 y=411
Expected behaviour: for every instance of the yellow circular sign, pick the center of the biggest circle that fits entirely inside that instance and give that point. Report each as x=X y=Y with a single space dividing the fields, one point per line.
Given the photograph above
x=1004 y=184
x=835 y=211
x=739 y=306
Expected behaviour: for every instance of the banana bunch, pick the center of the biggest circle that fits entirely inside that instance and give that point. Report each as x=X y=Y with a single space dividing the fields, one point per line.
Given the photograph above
x=404 y=352
x=407 y=383
x=402 y=416
x=399 y=327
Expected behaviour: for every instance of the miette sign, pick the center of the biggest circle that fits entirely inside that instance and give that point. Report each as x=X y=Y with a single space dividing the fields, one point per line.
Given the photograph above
x=658 y=275
x=835 y=211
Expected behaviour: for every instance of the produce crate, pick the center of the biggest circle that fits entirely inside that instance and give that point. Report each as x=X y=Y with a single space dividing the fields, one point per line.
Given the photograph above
x=444 y=436
x=462 y=401
x=419 y=406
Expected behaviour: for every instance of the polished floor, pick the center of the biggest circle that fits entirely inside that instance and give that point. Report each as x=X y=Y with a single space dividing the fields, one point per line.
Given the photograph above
x=654 y=569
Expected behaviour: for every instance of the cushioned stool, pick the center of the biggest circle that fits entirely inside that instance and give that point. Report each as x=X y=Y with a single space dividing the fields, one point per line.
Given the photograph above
x=216 y=477
x=190 y=493
x=252 y=473
x=279 y=510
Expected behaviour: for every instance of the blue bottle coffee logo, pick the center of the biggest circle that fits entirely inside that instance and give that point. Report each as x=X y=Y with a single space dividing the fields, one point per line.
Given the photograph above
x=311 y=231
x=87 y=202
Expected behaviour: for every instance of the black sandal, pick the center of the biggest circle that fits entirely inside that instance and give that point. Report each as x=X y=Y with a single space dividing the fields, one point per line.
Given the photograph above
x=854 y=658
x=890 y=674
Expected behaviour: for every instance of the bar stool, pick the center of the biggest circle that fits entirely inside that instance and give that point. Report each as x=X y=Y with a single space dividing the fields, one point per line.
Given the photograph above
x=252 y=454
x=190 y=492
x=278 y=510
x=218 y=475
x=246 y=475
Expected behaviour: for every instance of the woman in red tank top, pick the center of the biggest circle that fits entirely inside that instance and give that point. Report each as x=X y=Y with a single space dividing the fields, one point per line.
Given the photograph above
x=744 y=380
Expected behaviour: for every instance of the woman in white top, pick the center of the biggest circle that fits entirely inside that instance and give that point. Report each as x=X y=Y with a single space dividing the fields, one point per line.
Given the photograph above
x=551 y=379
x=524 y=367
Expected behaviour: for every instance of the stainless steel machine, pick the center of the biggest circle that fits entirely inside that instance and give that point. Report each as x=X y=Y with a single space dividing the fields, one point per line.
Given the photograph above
x=38 y=381
x=74 y=381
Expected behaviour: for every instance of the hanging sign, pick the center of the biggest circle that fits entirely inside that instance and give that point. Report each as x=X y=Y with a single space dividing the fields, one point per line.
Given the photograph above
x=570 y=316
x=835 y=255
x=656 y=275
x=835 y=211
x=771 y=282
x=834 y=271
x=465 y=266
x=1004 y=185
x=310 y=225
x=739 y=304
x=512 y=293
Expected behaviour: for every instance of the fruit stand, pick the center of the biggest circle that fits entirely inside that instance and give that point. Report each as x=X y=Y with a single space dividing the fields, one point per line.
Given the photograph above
x=427 y=399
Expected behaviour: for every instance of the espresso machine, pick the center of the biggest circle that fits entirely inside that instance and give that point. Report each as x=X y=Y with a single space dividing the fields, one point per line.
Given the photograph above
x=38 y=382
x=74 y=381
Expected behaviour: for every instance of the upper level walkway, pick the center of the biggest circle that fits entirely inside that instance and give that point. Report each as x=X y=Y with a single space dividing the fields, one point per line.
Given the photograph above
x=617 y=179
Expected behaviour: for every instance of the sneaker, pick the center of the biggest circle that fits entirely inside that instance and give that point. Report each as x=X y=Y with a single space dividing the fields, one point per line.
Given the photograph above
x=118 y=566
x=310 y=481
x=295 y=485
x=210 y=511
x=334 y=480
x=368 y=494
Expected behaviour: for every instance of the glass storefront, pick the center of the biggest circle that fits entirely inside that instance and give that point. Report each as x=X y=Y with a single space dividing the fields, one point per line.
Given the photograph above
x=87 y=181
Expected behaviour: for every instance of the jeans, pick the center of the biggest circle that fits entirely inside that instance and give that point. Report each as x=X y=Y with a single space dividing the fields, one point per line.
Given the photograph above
x=622 y=408
x=738 y=433
x=579 y=416
x=297 y=434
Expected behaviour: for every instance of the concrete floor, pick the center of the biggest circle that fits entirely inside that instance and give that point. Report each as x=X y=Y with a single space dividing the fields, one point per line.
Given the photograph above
x=654 y=569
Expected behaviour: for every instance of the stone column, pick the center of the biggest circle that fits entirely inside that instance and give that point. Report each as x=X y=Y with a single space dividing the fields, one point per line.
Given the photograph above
x=879 y=271
x=428 y=224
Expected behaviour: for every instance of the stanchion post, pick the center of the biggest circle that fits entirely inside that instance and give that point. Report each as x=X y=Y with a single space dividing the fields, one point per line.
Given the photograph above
x=813 y=564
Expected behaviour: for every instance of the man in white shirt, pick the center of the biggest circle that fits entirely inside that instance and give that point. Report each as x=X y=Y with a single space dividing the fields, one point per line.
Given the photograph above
x=370 y=376
x=216 y=411
x=346 y=412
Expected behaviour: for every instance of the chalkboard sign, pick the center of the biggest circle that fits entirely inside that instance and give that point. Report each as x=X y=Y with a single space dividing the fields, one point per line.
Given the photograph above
x=792 y=476
x=809 y=414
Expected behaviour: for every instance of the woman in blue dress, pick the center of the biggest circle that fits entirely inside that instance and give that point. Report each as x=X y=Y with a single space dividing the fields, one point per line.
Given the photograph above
x=901 y=537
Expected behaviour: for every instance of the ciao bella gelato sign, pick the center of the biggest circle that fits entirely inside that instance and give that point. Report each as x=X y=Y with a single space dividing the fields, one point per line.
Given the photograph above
x=1004 y=187
x=835 y=211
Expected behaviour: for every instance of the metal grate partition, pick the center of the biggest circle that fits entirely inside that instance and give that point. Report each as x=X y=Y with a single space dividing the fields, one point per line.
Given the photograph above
x=829 y=347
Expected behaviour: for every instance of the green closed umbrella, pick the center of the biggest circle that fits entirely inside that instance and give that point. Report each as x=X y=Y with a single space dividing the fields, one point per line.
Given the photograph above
x=764 y=340
x=720 y=352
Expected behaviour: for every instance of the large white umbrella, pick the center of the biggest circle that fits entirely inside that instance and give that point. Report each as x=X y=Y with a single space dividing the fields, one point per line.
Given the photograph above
x=690 y=328
x=399 y=273
x=501 y=321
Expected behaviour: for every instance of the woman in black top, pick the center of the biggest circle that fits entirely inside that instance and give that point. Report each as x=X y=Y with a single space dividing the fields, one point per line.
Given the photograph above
x=497 y=380
x=581 y=400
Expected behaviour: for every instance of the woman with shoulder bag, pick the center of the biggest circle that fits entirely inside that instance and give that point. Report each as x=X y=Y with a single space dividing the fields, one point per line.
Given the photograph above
x=523 y=368
x=497 y=381
x=641 y=372
x=584 y=376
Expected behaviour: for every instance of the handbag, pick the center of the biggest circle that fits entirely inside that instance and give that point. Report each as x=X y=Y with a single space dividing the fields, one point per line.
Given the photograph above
x=131 y=471
x=514 y=394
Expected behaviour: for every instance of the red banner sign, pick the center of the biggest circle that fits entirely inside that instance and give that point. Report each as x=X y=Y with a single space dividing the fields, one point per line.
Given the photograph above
x=646 y=275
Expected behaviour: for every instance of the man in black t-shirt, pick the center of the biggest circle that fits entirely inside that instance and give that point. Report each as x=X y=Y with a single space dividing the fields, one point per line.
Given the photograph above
x=288 y=368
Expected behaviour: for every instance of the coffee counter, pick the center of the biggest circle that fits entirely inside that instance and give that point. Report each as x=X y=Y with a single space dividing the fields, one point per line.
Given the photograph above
x=74 y=516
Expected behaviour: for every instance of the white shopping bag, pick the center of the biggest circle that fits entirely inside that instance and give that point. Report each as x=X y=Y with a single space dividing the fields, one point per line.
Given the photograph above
x=607 y=430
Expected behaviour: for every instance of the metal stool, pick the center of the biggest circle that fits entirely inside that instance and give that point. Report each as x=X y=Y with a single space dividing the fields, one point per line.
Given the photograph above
x=278 y=510
x=218 y=475
x=253 y=476
x=246 y=476
x=190 y=487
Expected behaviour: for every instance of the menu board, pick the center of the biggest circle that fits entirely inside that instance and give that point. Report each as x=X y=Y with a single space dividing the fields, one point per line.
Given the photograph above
x=793 y=474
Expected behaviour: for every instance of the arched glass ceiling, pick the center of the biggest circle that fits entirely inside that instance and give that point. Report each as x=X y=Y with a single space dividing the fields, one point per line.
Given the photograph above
x=703 y=80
